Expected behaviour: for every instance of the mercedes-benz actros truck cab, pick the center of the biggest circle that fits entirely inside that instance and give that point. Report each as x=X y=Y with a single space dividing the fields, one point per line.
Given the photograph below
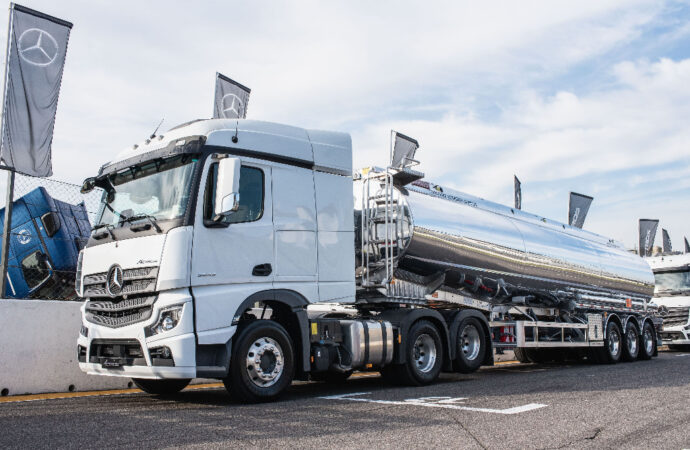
x=672 y=294
x=220 y=241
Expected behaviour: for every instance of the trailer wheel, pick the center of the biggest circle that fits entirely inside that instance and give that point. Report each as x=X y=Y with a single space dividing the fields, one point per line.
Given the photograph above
x=613 y=344
x=631 y=342
x=262 y=363
x=161 y=387
x=521 y=355
x=471 y=346
x=424 y=355
x=647 y=342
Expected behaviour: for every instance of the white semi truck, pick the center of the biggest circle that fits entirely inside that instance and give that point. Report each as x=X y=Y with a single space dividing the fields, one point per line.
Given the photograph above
x=219 y=243
x=672 y=295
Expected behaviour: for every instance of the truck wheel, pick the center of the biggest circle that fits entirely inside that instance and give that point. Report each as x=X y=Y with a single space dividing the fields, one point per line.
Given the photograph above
x=631 y=342
x=471 y=346
x=262 y=363
x=424 y=354
x=331 y=377
x=161 y=387
x=647 y=342
x=613 y=344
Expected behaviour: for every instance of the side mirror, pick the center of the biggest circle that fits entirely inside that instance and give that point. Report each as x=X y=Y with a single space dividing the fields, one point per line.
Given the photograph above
x=88 y=185
x=227 y=187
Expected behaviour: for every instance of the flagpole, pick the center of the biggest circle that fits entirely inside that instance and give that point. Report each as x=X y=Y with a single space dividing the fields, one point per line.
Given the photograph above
x=9 y=197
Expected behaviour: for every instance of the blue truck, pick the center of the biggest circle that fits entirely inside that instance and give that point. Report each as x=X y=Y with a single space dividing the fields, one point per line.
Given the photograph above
x=47 y=235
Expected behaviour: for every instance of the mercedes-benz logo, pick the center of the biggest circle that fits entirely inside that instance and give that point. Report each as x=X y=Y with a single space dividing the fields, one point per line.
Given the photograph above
x=113 y=283
x=231 y=103
x=37 y=47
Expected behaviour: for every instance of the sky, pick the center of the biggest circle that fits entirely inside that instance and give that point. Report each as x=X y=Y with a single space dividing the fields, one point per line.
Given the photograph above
x=587 y=96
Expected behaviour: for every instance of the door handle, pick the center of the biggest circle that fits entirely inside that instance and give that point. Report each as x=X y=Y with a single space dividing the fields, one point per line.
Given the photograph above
x=262 y=270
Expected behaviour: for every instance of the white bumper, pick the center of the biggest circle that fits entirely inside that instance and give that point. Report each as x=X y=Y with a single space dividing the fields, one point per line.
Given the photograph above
x=180 y=340
x=676 y=335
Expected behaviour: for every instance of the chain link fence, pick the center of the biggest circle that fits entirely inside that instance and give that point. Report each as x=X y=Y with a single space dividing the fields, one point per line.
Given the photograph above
x=51 y=222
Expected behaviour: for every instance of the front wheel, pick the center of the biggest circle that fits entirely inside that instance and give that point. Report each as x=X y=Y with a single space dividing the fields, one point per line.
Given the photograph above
x=161 y=387
x=262 y=364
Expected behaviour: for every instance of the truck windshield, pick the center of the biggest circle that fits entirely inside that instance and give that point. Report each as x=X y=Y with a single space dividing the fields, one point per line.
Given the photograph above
x=159 y=189
x=672 y=282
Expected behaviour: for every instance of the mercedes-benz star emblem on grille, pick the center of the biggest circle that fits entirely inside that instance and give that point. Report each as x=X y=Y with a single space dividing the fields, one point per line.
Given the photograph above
x=38 y=47
x=115 y=280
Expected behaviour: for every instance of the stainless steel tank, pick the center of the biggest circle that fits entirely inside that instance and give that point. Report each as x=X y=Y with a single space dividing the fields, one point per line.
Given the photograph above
x=492 y=250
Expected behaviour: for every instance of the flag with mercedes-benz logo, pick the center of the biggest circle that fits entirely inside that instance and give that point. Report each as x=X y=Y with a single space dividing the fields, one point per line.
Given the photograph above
x=518 y=192
x=578 y=208
x=36 y=51
x=647 y=233
x=666 y=241
x=231 y=99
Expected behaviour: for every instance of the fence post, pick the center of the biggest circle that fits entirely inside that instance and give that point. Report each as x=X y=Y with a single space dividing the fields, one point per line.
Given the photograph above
x=6 y=232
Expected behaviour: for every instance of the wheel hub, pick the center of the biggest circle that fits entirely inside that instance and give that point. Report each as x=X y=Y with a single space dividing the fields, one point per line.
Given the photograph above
x=424 y=353
x=470 y=342
x=632 y=341
x=648 y=341
x=264 y=362
x=614 y=342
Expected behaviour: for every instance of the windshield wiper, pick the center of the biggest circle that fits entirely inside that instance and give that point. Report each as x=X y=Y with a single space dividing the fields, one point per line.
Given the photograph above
x=150 y=218
x=108 y=227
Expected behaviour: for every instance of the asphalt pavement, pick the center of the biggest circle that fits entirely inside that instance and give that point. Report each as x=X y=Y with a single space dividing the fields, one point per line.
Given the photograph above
x=643 y=404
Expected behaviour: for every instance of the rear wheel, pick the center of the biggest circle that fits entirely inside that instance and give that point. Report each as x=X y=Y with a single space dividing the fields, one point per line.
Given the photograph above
x=631 y=342
x=161 y=387
x=470 y=346
x=424 y=356
x=262 y=363
x=647 y=342
x=521 y=355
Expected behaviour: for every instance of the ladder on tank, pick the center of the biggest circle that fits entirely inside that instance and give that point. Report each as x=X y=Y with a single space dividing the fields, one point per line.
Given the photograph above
x=382 y=229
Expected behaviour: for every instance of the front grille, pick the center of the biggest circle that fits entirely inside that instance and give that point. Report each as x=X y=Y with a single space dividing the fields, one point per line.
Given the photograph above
x=115 y=353
x=676 y=316
x=120 y=313
x=135 y=281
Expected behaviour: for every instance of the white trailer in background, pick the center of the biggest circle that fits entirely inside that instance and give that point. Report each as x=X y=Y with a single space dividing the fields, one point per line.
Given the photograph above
x=219 y=243
x=672 y=295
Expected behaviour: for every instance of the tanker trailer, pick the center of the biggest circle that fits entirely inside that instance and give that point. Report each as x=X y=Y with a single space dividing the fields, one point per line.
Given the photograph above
x=539 y=283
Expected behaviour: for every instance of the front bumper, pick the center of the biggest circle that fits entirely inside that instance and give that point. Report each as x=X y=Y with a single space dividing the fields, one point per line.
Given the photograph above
x=131 y=341
x=677 y=335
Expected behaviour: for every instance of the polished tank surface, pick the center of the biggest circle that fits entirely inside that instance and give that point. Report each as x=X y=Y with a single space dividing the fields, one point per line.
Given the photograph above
x=498 y=251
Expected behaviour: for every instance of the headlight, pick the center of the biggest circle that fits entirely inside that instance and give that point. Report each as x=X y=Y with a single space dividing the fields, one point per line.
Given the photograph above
x=167 y=320
x=77 y=281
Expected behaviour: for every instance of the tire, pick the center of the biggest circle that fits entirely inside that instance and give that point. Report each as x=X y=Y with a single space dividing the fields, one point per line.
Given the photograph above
x=521 y=355
x=613 y=344
x=331 y=377
x=424 y=356
x=262 y=364
x=631 y=342
x=470 y=346
x=647 y=342
x=161 y=387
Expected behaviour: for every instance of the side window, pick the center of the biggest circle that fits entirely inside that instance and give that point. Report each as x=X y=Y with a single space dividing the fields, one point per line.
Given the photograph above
x=251 y=195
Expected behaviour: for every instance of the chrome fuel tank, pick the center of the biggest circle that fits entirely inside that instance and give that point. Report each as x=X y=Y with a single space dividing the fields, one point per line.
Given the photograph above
x=494 y=250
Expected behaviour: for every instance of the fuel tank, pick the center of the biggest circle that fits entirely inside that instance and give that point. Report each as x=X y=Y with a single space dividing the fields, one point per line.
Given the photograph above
x=441 y=236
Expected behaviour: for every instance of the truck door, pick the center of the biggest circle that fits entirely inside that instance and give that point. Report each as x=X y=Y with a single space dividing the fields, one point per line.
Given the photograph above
x=230 y=263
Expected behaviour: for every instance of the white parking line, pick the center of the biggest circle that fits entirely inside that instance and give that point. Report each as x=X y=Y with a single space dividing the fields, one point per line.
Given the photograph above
x=435 y=402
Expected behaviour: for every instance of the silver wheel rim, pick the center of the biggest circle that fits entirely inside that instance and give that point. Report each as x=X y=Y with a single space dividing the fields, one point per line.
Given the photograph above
x=470 y=342
x=265 y=362
x=614 y=342
x=632 y=342
x=648 y=341
x=424 y=353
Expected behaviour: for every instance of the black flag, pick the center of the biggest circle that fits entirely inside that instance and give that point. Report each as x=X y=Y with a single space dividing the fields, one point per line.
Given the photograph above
x=36 y=51
x=687 y=246
x=231 y=99
x=403 y=149
x=578 y=208
x=518 y=193
x=666 y=240
x=647 y=234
